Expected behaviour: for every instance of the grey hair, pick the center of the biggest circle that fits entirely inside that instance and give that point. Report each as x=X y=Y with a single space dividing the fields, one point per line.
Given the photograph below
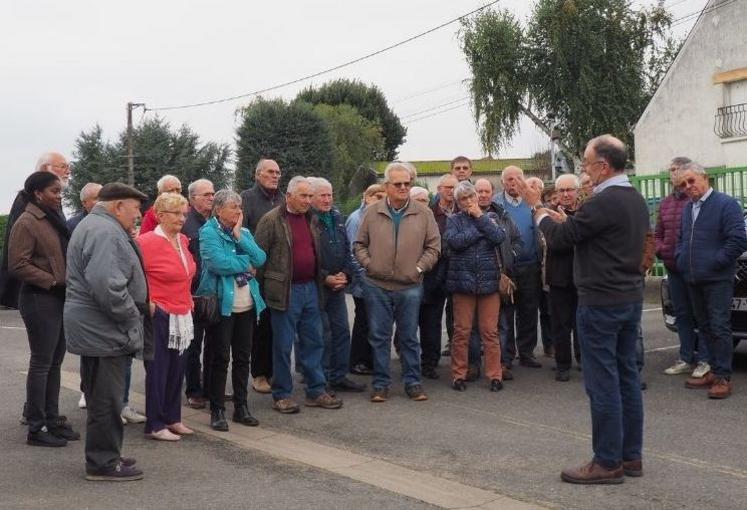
x=416 y=191
x=464 y=189
x=166 y=178
x=576 y=181
x=294 y=182
x=44 y=160
x=400 y=165
x=225 y=197
x=192 y=188
x=695 y=167
x=260 y=166
x=318 y=182
x=443 y=178
x=85 y=191
x=680 y=161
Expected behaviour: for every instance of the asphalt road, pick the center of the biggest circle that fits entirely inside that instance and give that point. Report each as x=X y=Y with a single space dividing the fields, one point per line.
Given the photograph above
x=514 y=442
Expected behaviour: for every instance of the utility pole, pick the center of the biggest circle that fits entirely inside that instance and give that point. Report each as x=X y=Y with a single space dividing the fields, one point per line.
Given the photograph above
x=130 y=151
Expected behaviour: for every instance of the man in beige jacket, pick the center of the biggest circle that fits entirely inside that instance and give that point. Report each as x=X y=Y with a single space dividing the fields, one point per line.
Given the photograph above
x=397 y=242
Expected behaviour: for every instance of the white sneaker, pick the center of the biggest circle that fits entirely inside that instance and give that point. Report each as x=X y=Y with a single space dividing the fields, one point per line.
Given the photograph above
x=124 y=422
x=679 y=368
x=702 y=369
x=131 y=415
x=82 y=401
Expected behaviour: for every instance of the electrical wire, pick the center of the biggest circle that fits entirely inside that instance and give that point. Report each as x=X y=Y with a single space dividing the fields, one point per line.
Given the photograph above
x=418 y=113
x=325 y=71
x=428 y=91
x=698 y=14
x=465 y=103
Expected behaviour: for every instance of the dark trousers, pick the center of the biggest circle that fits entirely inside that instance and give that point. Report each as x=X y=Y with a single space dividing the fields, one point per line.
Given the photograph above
x=262 y=346
x=545 y=319
x=711 y=304
x=360 y=348
x=197 y=373
x=163 y=379
x=524 y=312
x=563 y=304
x=233 y=342
x=103 y=382
x=431 y=317
x=336 y=336
x=609 y=335
x=42 y=314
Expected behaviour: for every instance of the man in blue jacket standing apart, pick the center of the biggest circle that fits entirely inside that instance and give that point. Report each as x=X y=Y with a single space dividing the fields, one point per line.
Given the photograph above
x=711 y=240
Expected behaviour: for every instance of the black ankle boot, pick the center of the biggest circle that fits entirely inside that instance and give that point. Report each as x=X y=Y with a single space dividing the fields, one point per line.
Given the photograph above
x=242 y=415
x=218 y=420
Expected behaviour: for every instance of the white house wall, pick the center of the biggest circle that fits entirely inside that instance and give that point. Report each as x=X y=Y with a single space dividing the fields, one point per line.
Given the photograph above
x=679 y=119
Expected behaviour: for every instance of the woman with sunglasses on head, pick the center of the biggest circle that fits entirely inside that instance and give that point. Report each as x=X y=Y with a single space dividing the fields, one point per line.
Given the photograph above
x=169 y=268
x=36 y=256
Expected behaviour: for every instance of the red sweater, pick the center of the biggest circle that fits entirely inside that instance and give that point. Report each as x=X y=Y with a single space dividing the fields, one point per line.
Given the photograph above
x=149 y=223
x=168 y=280
x=304 y=258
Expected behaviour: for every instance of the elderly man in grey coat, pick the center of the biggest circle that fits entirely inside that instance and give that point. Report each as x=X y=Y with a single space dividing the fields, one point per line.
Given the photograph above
x=106 y=315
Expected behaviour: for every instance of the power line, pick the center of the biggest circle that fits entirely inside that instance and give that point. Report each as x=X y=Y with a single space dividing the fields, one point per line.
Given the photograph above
x=701 y=12
x=428 y=91
x=325 y=71
x=465 y=103
x=415 y=114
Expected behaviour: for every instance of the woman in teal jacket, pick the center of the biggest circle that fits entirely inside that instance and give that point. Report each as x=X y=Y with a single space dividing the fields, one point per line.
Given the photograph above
x=230 y=258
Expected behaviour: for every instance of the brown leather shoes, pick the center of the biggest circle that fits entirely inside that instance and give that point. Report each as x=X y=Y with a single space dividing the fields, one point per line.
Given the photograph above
x=593 y=474
x=721 y=388
x=633 y=467
x=697 y=383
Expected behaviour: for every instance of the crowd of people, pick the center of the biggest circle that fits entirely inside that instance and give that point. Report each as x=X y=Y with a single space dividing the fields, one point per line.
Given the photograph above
x=259 y=281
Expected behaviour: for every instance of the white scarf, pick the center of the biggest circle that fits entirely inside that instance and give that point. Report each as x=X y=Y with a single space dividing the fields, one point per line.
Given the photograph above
x=181 y=331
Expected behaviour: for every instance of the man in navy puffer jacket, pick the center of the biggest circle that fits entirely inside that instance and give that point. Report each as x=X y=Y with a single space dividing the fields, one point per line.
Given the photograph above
x=712 y=238
x=473 y=276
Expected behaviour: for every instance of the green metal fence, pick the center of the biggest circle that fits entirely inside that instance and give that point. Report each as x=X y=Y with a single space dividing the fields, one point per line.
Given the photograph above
x=732 y=181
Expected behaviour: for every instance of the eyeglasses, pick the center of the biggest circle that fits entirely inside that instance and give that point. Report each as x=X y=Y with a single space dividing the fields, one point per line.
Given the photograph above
x=405 y=184
x=586 y=164
x=173 y=190
x=64 y=166
x=688 y=182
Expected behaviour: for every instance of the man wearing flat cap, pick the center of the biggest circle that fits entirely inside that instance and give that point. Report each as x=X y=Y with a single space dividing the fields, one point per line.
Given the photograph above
x=106 y=317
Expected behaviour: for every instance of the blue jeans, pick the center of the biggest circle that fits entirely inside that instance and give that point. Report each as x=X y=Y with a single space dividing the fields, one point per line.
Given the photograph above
x=608 y=336
x=711 y=304
x=128 y=380
x=685 y=321
x=302 y=318
x=336 y=336
x=384 y=308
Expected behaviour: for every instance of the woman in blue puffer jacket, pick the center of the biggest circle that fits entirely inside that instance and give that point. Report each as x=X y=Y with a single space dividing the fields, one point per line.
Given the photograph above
x=473 y=238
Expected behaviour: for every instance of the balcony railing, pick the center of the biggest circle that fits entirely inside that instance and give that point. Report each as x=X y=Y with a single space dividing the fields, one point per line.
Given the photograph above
x=731 y=121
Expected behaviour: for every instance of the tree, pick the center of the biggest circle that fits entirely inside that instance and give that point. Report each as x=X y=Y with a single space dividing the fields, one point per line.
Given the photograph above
x=370 y=103
x=293 y=134
x=593 y=63
x=357 y=141
x=159 y=150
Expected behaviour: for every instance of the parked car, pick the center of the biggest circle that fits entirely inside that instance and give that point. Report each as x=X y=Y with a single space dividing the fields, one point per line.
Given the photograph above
x=738 y=303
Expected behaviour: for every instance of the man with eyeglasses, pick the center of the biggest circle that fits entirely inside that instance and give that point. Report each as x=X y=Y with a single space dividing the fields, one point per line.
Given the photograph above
x=711 y=241
x=256 y=202
x=559 y=276
x=693 y=355
x=397 y=242
x=196 y=374
x=166 y=184
x=608 y=233
x=434 y=292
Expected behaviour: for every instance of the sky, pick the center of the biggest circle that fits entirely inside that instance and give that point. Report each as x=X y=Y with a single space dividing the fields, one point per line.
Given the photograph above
x=67 y=66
